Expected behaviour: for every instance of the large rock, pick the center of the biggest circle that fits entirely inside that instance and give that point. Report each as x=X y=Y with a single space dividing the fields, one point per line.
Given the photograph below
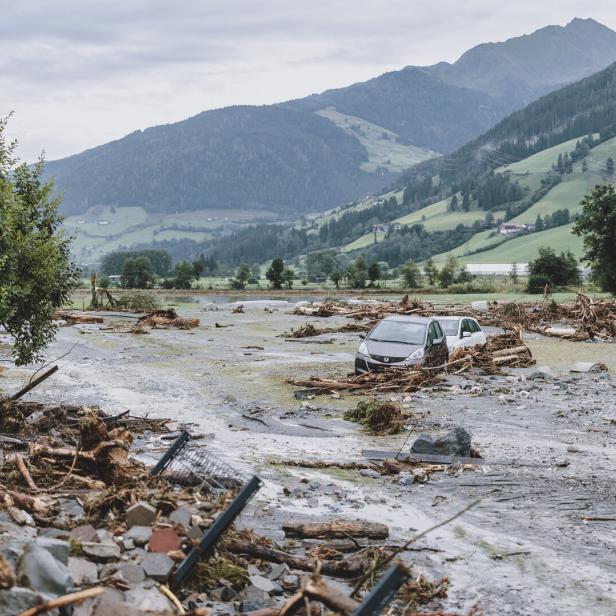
x=83 y=571
x=139 y=534
x=456 y=442
x=18 y=600
x=39 y=570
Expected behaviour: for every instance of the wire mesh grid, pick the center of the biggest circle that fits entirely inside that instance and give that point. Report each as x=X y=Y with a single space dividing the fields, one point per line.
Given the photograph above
x=196 y=466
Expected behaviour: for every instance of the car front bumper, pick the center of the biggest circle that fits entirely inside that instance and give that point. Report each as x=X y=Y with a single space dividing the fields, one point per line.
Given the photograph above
x=364 y=364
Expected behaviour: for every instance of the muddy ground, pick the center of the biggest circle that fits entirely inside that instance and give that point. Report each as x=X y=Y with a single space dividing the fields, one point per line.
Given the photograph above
x=548 y=438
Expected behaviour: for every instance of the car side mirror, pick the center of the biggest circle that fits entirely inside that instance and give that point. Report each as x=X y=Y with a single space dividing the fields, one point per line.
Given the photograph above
x=438 y=341
x=466 y=334
x=362 y=336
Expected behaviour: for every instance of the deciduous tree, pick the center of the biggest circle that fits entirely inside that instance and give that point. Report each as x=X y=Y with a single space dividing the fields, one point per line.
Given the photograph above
x=36 y=275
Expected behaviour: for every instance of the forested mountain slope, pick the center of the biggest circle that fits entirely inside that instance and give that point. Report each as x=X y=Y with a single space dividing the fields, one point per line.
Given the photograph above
x=314 y=153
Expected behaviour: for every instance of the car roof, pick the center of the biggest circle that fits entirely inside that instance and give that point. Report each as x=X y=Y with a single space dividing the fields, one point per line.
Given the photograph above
x=450 y=318
x=409 y=318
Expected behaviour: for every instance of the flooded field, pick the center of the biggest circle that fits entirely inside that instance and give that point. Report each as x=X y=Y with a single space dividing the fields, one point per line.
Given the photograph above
x=530 y=546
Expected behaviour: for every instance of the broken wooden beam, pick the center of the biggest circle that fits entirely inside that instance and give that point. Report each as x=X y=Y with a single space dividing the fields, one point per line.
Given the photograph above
x=336 y=529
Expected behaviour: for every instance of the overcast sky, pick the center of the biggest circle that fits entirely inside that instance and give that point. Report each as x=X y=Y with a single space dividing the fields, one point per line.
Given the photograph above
x=78 y=73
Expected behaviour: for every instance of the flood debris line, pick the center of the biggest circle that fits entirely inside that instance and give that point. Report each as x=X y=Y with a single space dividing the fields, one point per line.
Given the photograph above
x=72 y=318
x=163 y=319
x=377 y=310
x=393 y=379
x=378 y=417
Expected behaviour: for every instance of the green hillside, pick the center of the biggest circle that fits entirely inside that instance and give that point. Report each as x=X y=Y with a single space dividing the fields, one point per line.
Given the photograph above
x=566 y=195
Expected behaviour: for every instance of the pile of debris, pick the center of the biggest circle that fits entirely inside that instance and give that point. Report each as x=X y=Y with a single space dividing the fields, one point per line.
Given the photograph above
x=83 y=521
x=506 y=350
x=310 y=330
x=583 y=319
x=503 y=350
x=163 y=319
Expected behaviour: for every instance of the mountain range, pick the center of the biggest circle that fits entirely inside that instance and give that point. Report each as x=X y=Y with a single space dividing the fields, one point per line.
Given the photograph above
x=313 y=153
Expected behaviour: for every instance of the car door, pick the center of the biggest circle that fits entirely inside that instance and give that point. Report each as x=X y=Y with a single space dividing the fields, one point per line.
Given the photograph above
x=478 y=336
x=441 y=352
x=430 y=349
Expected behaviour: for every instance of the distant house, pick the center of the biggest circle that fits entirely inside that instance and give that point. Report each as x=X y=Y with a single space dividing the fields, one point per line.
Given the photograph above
x=512 y=228
x=385 y=227
x=496 y=269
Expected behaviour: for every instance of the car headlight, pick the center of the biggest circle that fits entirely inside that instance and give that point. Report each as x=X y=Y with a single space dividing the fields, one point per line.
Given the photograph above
x=418 y=354
x=363 y=349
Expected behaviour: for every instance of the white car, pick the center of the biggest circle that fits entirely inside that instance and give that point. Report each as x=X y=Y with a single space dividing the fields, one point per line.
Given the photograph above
x=462 y=332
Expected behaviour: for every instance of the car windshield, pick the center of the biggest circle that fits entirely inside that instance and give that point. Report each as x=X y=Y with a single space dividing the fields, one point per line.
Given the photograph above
x=450 y=326
x=399 y=331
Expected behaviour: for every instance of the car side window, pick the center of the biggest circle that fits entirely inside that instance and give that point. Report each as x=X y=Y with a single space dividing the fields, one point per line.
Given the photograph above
x=439 y=330
x=465 y=326
x=475 y=326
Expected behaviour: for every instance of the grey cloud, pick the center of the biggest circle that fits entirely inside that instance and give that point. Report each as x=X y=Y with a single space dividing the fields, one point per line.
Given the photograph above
x=101 y=69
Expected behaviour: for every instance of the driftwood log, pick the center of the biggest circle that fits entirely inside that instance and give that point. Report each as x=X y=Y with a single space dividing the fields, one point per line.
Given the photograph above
x=336 y=529
x=350 y=568
x=316 y=589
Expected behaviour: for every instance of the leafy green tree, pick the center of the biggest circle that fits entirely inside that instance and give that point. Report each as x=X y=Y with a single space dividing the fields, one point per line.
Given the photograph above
x=513 y=274
x=321 y=263
x=288 y=275
x=357 y=273
x=411 y=274
x=447 y=275
x=597 y=225
x=242 y=275
x=374 y=273
x=539 y=224
x=36 y=275
x=550 y=270
x=184 y=275
x=113 y=262
x=453 y=204
x=138 y=273
x=431 y=272
x=274 y=273
x=466 y=201
x=336 y=277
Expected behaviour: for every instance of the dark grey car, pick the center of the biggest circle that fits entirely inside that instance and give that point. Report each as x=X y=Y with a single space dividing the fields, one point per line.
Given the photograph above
x=402 y=341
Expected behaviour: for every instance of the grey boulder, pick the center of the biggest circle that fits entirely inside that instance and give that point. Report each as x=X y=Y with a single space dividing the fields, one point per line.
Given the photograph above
x=456 y=442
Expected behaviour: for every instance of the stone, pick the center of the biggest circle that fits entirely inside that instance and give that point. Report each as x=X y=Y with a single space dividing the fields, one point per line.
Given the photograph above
x=84 y=572
x=405 y=479
x=132 y=573
x=164 y=540
x=55 y=533
x=277 y=571
x=21 y=517
x=140 y=514
x=157 y=566
x=456 y=442
x=182 y=516
x=18 y=600
x=262 y=583
x=139 y=534
x=72 y=509
x=149 y=599
x=56 y=547
x=101 y=551
x=85 y=533
x=290 y=583
x=195 y=533
x=38 y=569
x=224 y=593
